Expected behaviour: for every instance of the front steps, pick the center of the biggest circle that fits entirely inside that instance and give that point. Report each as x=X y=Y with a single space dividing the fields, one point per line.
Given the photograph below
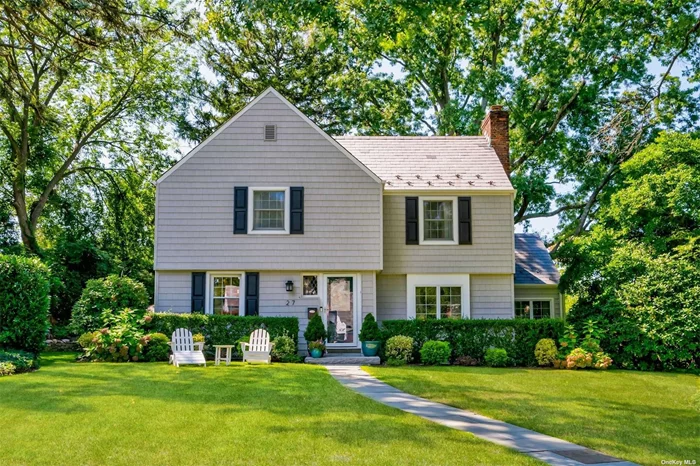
x=344 y=359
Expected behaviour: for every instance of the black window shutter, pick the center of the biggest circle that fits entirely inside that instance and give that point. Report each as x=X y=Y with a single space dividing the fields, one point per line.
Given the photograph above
x=240 y=210
x=252 y=292
x=465 y=220
x=411 y=220
x=198 y=285
x=296 y=211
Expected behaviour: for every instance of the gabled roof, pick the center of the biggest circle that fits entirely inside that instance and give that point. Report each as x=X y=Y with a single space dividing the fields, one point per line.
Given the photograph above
x=533 y=264
x=228 y=123
x=430 y=162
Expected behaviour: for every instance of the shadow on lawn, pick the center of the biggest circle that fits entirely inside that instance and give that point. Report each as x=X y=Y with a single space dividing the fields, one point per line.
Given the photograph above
x=307 y=394
x=595 y=408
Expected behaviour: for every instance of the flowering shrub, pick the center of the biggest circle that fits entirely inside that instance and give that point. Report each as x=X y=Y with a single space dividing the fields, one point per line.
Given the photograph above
x=157 y=347
x=601 y=360
x=198 y=338
x=496 y=357
x=121 y=338
x=545 y=352
x=579 y=359
x=7 y=368
x=86 y=339
x=399 y=350
x=22 y=361
x=567 y=341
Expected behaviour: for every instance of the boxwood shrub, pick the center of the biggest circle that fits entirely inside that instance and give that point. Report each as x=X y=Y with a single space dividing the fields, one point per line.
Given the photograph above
x=473 y=337
x=223 y=329
x=24 y=303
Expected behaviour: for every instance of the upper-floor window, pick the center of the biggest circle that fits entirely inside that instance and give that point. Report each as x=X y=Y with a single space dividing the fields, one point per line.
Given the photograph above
x=438 y=220
x=533 y=309
x=268 y=210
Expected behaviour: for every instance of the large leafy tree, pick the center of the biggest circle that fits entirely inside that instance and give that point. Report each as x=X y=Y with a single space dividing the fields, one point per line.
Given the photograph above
x=573 y=73
x=80 y=82
x=247 y=47
x=637 y=270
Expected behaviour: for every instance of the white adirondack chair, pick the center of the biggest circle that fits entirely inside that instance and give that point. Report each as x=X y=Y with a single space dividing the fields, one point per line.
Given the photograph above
x=183 y=349
x=259 y=347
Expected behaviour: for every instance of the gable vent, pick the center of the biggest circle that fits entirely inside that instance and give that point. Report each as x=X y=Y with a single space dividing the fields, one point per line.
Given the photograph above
x=270 y=132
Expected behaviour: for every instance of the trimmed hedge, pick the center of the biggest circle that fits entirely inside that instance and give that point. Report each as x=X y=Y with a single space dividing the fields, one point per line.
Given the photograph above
x=473 y=337
x=223 y=329
x=24 y=303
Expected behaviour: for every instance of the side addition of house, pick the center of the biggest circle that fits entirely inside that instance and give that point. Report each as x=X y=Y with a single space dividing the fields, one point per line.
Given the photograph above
x=271 y=216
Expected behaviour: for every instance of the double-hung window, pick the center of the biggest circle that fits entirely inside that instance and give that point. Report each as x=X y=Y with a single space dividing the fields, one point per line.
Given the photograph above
x=533 y=308
x=225 y=294
x=438 y=219
x=268 y=210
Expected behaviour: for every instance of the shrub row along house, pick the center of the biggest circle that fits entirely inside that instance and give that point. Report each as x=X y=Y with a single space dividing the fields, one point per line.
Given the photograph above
x=271 y=216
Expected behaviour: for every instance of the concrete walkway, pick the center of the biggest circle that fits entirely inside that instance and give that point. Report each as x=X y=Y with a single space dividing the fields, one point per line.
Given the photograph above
x=551 y=450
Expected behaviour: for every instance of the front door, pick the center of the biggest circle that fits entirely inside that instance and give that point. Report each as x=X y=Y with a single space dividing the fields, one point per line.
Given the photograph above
x=341 y=310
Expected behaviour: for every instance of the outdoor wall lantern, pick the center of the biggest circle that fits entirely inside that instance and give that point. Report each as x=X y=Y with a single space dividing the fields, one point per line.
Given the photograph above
x=289 y=285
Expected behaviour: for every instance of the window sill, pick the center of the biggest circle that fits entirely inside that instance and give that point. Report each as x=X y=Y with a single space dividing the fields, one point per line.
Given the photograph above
x=437 y=243
x=268 y=232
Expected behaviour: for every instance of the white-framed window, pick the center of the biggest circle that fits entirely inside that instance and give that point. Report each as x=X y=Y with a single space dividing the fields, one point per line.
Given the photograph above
x=268 y=210
x=437 y=296
x=438 y=220
x=539 y=308
x=226 y=294
x=309 y=285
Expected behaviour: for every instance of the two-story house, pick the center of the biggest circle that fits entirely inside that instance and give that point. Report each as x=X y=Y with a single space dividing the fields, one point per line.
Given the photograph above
x=272 y=216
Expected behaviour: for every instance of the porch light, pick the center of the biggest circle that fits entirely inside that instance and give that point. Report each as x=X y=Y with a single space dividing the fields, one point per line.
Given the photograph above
x=289 y=286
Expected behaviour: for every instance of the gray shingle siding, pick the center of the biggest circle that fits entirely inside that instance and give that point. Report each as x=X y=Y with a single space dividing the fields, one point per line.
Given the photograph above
x=173 y=294
x=491 y=296
x=342 y=211
x=491 y=251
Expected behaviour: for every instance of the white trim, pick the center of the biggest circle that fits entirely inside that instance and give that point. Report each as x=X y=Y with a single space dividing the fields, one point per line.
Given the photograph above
x=356 y=304
x=228 y=123
x=374 y=274
x=251 y=230
x=455 y=221
x=208 y=296
x=155 y=235
x=155 y=292
x=318 y=284
x=532 y=308
x=414 y=280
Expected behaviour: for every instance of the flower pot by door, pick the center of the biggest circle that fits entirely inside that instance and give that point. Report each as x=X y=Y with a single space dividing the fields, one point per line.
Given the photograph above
x=370 y=348
x=316 y=353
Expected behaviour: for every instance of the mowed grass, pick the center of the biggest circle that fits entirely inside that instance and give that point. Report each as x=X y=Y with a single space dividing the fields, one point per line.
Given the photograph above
x=639 y=416
x=283 y=414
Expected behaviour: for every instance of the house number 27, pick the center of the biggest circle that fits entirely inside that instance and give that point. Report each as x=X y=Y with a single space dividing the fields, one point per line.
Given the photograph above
x=290 y=302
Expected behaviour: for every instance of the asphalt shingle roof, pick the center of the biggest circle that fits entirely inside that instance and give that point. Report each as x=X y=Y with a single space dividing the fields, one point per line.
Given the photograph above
x=533 y=264
x=430 y=162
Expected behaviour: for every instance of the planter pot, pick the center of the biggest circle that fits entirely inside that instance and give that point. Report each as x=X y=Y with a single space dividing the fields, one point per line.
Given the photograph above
x=370 y=348
x=316 y=353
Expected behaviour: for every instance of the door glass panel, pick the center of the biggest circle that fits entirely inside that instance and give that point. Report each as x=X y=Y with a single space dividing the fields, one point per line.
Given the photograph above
x=340 y=310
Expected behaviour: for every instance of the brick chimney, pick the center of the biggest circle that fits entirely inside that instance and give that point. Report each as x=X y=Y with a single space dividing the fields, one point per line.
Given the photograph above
x=495 y=128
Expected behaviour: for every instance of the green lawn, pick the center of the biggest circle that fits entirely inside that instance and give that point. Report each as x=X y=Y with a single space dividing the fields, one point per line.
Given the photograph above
x=138 y=413
x=639 y=416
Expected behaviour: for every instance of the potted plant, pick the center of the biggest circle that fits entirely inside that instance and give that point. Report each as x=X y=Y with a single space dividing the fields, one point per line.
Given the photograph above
x=370 y=336
x=315 y=335
x=316 y=349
